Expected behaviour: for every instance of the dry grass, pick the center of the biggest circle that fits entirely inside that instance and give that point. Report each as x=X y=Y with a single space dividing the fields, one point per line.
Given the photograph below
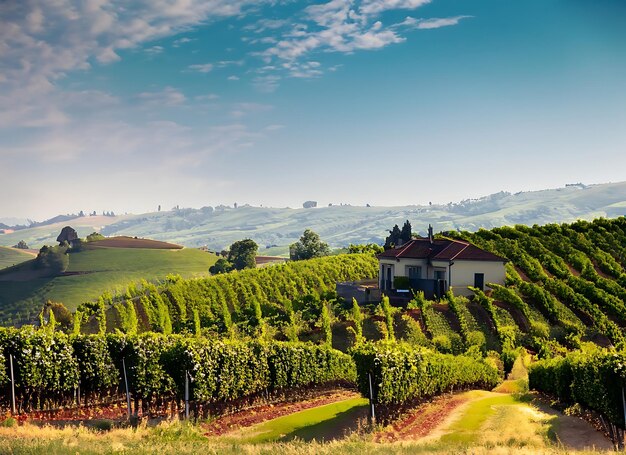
x=509 y=431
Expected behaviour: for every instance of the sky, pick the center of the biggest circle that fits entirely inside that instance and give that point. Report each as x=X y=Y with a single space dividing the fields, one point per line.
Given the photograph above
x=128 y=105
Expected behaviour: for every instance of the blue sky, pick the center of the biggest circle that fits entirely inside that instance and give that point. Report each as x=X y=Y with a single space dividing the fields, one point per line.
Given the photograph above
x=127 y=105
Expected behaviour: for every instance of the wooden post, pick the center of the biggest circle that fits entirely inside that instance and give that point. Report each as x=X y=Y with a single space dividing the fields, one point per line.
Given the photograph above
x=126 y=384
x=186 y=394
x=372 y=410
x=624 y=409
x=13 y=407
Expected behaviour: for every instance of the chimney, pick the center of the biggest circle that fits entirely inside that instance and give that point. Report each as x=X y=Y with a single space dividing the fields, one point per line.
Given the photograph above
x=430 y=233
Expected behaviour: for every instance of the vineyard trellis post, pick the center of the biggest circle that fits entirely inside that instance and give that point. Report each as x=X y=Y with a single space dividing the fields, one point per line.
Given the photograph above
x=624 y=409
x=126 y=385
x=186 y=394
x=13 y=407
x=372 y=410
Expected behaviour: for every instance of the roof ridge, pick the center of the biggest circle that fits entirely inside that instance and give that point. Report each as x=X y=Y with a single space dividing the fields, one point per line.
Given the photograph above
x=407 y=245
x=464 y=248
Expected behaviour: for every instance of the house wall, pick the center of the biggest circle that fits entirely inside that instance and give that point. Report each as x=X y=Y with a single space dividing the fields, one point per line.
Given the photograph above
x=459 y=275
x=462 y=274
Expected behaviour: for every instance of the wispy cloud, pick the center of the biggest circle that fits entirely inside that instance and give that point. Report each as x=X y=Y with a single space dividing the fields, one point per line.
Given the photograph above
x=340 y=26
x=169 y=96
x=201 y=68
x=432 y=23
x=184 y=40
x=154 y=50
x=41 y=41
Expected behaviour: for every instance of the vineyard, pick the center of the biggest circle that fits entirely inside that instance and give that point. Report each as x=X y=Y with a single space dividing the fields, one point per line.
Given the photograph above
x=234 y=339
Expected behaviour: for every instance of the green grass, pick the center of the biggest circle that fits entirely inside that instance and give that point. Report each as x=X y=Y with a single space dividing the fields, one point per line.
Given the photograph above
x=320 y=423
x=102 y=269
x=466 y=429
x=11 y=256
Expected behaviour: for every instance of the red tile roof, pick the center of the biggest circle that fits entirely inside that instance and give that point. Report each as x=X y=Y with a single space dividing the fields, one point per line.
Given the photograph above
x=440 y=250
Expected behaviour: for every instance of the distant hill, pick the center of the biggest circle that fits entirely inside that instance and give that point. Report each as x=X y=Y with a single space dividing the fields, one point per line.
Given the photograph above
x=341 y=225
x=102 y=266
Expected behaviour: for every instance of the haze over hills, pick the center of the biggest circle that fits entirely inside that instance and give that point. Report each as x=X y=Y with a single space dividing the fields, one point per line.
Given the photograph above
x=341 y=225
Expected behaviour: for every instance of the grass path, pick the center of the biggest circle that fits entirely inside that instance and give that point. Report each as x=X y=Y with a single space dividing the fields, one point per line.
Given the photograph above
x=327 y=422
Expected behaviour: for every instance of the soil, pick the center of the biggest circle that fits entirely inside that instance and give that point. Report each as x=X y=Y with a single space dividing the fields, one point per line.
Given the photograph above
x=252 y=416
x=516 y=314
x=114 y=411
x=422 y=420
x=522 y=275
x=132 y=242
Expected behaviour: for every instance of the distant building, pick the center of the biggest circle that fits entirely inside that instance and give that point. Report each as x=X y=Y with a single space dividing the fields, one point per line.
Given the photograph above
x=434 y=265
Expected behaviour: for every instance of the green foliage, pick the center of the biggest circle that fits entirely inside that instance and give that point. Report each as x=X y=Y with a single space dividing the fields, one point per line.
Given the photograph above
x=128 y=317
x=401 y=373
x=309 y=246
x=357 y=318
x=94 y=236
x=388 y=313
x=369 y=248
x=401 y=282
x=221 y=266
x=593 y=377
x=52 y=260
x=326 y=324
x=242 y=253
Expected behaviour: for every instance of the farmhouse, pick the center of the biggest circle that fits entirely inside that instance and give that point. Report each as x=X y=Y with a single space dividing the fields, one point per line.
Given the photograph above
x=434 y=265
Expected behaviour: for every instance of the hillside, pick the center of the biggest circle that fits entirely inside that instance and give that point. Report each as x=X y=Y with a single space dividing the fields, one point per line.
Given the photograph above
x=565 y=285
x=12 y=256
x=341 y=225
x=94 y=270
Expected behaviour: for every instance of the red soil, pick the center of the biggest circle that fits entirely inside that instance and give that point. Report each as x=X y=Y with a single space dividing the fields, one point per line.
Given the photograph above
x=421 y=420
x=131 y=242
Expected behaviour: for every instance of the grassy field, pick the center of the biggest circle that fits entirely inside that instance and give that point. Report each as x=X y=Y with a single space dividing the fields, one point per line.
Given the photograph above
x=11 y=256
x=322 y=423
x=93 y=271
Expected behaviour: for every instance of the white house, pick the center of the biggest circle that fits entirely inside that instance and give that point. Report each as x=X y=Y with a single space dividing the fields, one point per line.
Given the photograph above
x=434 y=265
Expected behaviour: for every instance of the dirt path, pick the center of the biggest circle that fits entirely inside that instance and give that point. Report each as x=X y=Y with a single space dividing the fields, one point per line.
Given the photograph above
x=494 y=419
x=423 y=420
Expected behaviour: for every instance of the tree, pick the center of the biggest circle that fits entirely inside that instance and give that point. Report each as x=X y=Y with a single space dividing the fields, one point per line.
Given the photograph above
x=309 y=204
x=221 y=266
x=397 y=237
x=309 y=246
x=21 y=245
x=68 y=234
x=242 y=254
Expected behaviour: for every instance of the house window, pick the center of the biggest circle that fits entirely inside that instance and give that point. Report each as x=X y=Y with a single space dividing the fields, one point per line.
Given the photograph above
x=440 y=274
x=414 y=272
x=479 y=281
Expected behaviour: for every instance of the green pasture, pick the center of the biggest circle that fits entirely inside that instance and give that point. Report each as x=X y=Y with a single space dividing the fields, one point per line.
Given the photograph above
x=92 y=272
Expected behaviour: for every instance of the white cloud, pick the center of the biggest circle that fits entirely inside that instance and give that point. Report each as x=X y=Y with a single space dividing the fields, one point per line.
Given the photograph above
x=343 y=26
x=201 y=68
x=43 y=40
x=154 y=50
x=378 y=6
x=233 y=78
x=184 y=40
x=169 y=96
x=439 y=22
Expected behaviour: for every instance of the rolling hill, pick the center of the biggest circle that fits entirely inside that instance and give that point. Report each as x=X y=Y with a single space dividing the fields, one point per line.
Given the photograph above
x=12 y=256
x=99 y=267
x=341 y=225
